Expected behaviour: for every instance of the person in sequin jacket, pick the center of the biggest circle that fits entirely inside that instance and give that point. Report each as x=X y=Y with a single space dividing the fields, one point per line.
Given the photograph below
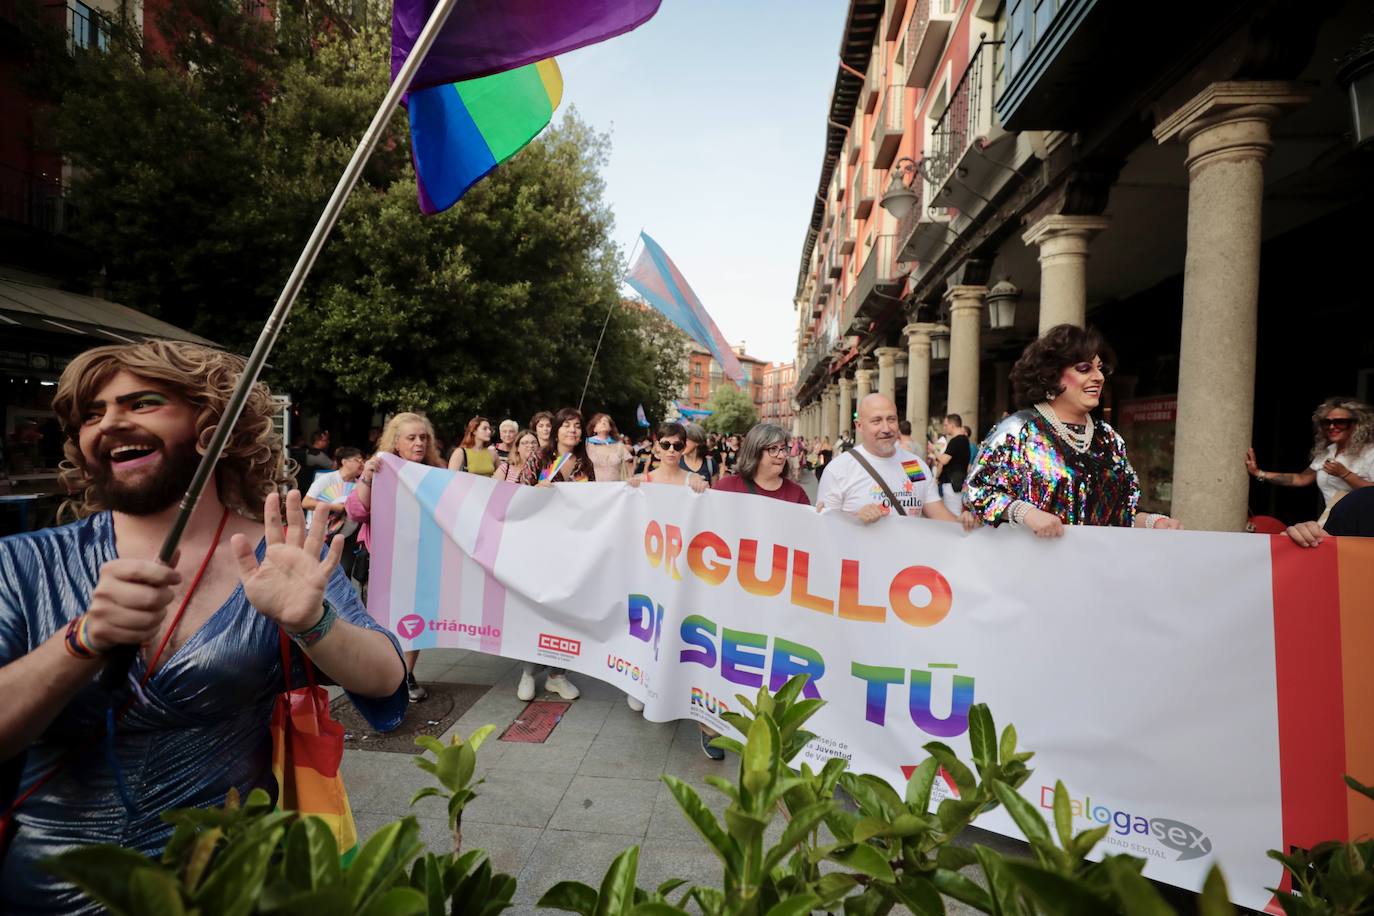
x=1050 y=464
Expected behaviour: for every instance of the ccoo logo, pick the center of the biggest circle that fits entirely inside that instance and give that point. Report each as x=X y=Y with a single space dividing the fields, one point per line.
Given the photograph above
x=410 y=626
x=560 y=644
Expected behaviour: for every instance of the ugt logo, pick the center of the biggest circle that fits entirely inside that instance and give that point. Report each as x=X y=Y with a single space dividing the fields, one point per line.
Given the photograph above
x=410 y=626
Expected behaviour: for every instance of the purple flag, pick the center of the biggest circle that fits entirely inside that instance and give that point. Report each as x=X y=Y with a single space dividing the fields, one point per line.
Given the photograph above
x=482 y=37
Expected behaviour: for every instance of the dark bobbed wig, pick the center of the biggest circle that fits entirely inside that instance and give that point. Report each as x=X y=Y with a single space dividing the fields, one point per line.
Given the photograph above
x=1036 y=374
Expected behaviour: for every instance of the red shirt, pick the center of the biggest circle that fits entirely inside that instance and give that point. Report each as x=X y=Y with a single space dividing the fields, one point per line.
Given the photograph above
x=790 y=491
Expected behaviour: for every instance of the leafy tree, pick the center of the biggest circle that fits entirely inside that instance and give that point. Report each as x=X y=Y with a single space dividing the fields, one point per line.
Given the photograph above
x=201 y=176
x=732 y=411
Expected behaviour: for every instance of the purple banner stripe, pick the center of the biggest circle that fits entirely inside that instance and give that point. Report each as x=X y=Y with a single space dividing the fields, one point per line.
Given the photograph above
x=382 y=541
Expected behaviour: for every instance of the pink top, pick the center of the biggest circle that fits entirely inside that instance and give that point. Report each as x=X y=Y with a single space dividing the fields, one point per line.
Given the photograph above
x=790 y=491
x=360 y=514
x=608 y=461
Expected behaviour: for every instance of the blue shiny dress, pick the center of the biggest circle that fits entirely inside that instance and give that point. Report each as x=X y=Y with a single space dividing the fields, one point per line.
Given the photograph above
x=204 y=729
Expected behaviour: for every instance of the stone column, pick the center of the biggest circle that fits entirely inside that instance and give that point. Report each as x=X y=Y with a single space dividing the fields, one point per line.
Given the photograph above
x=1227 y=129
x=918 y=377
x=887 y=372
x=863 y=381
x=846 y=405
x=965 y=325
x=829 y=421
x=1063 y=242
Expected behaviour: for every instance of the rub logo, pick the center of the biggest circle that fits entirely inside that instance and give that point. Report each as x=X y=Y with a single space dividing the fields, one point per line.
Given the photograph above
x=560 y=644
x=709 y=703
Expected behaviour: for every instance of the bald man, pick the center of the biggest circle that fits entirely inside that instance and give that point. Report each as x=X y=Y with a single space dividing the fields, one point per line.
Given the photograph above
x=850 y=486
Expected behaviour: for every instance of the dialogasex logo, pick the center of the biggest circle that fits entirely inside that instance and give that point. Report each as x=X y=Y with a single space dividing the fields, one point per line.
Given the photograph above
x=560 y=644
x=410 y=626
x=1185 y=839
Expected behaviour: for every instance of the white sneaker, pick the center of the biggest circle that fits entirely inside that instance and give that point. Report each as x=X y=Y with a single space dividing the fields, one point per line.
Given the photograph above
x=560 y=685
x=525 y=689
x=636 y=705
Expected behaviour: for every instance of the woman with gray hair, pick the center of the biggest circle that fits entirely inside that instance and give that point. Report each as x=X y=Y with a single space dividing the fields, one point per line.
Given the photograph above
x=763 y=469
x=695 y=460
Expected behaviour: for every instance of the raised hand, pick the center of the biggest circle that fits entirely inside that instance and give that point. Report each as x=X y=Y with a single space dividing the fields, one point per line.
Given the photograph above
x=1251 y=467
x=288 y=586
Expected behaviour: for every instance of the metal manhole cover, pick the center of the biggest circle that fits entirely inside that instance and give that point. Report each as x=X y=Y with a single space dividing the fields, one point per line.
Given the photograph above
x=432 y=716
x=535 y=724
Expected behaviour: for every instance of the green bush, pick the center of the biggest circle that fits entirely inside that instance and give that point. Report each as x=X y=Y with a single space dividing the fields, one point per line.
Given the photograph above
x=884 y=850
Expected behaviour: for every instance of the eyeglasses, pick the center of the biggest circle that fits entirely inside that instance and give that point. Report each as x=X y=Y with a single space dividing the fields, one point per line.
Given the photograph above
x=669 y=445
x=777 y=451
x=1336 y=422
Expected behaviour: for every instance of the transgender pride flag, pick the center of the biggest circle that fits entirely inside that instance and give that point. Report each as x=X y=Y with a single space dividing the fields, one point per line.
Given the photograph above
x=655 y=277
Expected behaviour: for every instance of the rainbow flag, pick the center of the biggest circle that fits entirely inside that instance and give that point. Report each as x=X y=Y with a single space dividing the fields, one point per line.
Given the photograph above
x=913 y=470
x=482 y=37
x=460 y=132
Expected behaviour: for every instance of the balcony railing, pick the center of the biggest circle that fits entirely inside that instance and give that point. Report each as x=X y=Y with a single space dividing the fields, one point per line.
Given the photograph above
x=845 y=230
x=968 y=116
x=888 y=126
x=33 y=200
x=834 y=264
x=86 y=28
x=865 y=191
x=856 y=138
x=926 y=34
x=875 y=285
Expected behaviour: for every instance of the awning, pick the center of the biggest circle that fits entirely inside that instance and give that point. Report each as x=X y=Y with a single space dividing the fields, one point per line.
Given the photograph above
x=45 y=308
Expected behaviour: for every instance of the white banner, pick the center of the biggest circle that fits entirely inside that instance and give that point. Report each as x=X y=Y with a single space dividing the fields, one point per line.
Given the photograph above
x=1138 y=665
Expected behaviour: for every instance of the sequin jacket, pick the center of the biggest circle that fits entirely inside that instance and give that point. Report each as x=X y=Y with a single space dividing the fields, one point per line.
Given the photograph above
x=1023 y=458
x=204 y=729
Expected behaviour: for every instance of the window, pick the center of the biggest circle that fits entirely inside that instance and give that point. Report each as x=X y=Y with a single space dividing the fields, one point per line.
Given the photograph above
x=88 y=28
x=696 y=369
x=696 y=389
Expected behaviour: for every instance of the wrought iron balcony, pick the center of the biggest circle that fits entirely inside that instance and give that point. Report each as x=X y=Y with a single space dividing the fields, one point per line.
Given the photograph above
x=926 y=35
x=34 y=201
x=967 y=119
x=888 y=126
x=865 y=191
x=878 y=283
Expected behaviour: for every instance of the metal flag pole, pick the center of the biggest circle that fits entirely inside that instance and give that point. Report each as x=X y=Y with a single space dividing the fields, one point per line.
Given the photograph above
x=582 y=397
x=117 y=668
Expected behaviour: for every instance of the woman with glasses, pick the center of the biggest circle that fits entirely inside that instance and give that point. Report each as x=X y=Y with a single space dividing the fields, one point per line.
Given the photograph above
x=1050 y=464
x=763 y=468
x=523 y=448
x=1342 y=455
x=695 y=459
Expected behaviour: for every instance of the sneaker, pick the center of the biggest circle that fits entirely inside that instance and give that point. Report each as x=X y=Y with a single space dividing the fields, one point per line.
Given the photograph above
x=714 y=753
x=525 y=689
x=559 y=684
x=636 y=705
x=417 y=692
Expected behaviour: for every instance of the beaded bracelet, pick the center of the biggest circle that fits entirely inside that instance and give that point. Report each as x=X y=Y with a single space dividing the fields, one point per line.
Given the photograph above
x=1018 y=511
x=307 y=638
x=78 y=643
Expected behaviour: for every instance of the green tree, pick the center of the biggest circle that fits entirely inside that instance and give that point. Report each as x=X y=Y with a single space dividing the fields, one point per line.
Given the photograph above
x=200 y=177
x=732 y=411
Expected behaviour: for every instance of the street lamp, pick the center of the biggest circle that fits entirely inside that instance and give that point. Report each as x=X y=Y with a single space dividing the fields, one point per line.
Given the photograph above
x=939 y=343
x=898 y=199
x=1001 y=301
x=1356 y=74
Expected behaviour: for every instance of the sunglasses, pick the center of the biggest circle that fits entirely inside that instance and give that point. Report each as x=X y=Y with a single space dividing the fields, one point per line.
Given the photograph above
x=1336 y=423
x=669 y=445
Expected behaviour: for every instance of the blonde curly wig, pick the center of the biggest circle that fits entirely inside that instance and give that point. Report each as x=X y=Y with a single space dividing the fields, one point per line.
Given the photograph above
x=251 y=465
x=1361 y=436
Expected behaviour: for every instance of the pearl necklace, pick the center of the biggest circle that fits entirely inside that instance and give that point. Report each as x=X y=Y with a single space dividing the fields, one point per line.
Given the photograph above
x=1079 y=442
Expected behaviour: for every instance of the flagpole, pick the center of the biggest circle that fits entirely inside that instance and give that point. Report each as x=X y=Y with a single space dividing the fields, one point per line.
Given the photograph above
x=582 y=397
x=122 y=657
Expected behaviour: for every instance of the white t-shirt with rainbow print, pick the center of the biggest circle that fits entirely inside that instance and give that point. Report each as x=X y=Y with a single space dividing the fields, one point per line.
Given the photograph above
x=847 y=487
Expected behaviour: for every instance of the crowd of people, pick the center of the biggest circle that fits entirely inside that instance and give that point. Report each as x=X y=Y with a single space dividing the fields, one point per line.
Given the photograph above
x=210 y=625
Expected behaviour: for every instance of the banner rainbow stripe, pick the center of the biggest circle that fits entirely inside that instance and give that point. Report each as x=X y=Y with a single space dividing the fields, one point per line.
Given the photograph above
x=460 y=132
x=1323 y=641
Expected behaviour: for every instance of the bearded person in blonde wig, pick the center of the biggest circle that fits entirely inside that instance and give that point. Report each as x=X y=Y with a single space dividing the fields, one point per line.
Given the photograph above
x=208 y=626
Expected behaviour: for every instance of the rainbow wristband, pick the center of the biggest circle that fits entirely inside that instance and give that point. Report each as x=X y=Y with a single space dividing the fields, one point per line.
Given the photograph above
x=78 y=643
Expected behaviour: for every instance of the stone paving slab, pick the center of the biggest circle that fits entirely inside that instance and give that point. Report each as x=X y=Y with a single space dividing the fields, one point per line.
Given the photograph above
x=517 y=799
x=607 y=804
